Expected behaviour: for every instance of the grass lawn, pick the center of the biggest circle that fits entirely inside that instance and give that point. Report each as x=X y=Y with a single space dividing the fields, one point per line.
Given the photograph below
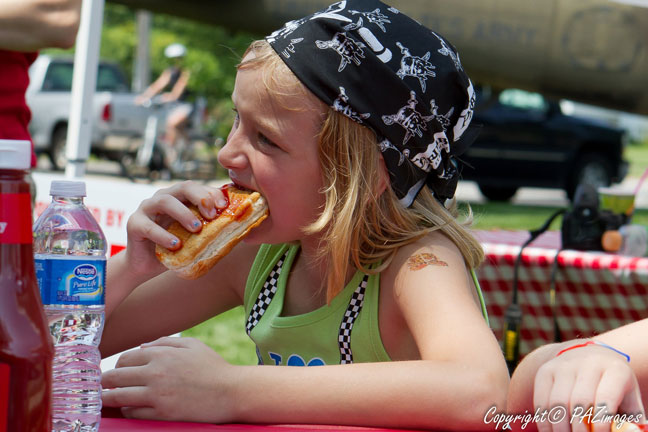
x=637 y=155
x=506 y=216
x=226 y=333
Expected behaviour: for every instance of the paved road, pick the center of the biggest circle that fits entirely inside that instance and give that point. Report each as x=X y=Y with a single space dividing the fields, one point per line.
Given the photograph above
x=467 y=191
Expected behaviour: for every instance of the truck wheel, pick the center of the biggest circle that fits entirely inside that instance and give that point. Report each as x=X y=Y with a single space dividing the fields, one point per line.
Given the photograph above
x=56 y=152
x=592 y=169
x=157 y=160
x=497 y=193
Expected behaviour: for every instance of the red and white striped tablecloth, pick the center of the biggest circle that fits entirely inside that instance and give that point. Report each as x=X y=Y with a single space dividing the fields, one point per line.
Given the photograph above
x=595 y=291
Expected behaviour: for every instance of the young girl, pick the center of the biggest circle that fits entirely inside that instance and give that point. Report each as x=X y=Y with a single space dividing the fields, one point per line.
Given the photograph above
x=347 y=122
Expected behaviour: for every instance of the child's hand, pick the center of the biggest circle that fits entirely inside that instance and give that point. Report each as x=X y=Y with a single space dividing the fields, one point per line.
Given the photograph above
x=582 y=381
x=172 y=378
x=147 y=226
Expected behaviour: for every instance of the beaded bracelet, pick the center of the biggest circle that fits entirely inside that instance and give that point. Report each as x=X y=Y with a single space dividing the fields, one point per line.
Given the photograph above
x=593 y=342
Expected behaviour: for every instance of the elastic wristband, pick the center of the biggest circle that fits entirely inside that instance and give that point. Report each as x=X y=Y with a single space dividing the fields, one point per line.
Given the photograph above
x=593 y=342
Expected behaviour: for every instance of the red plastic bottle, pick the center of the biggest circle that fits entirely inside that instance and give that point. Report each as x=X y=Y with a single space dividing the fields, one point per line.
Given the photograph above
x=26 y=349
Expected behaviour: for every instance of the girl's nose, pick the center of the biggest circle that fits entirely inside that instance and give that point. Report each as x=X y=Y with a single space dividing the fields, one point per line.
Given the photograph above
x=232 y=155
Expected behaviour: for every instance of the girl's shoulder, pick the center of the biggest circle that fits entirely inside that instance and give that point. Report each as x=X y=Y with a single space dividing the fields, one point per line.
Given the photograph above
x=430 y=271
x=428 y=255
x=435 y=243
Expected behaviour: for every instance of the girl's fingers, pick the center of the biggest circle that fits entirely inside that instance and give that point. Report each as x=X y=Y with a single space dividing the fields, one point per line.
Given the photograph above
x=125 y=397
x=207 y=199
x=144 y=228
x=134 y=357
x=615 y=384
x=174 y=342
x=167 y=204
x=632 y=404
x=210 y=204
x=552 y=388
x=583 y=396
x=171 y=204
x=591 y=392
x=564 y=380
x=123 y=377
x=543 y=384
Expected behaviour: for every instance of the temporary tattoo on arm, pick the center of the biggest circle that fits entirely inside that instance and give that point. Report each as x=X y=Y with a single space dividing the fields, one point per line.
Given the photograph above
x=419 y=261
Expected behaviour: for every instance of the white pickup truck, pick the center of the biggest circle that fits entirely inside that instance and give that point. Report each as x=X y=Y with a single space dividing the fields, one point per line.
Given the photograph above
x=49 y=96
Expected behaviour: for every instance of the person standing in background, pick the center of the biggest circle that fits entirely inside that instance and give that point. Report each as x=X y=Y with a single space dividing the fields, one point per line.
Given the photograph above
x=27 y=26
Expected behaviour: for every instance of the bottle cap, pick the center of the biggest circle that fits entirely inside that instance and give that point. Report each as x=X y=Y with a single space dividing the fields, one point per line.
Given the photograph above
x=68 y=188
x=15 y=154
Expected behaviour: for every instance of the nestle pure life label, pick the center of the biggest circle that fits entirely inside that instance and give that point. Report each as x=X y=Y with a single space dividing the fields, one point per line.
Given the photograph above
x=71 y=280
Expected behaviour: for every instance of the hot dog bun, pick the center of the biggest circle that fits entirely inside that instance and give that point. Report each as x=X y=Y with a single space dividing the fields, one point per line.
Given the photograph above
x=200 y=251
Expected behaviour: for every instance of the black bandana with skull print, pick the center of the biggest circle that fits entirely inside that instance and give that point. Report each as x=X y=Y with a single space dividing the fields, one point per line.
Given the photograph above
x=380 y=68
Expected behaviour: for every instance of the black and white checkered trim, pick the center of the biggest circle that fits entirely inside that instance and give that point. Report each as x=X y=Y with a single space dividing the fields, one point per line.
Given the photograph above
x=352 y=312
x=265 y=296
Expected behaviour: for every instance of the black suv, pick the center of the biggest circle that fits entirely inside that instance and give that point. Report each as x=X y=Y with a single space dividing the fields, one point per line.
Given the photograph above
x=526 y=140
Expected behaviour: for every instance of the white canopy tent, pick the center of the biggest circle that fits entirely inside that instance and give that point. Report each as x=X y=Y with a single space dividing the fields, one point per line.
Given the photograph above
x=86 y=61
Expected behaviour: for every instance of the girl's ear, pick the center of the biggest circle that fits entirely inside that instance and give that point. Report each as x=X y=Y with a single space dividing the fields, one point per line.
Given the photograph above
x=383 y=181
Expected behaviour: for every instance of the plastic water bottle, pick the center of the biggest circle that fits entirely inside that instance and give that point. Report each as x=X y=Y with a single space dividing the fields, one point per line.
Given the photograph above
x=70 y=259
x=26 y=349
x=635 y=240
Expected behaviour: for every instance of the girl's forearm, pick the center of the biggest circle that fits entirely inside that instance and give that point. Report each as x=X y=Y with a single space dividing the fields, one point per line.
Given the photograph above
x=630 y=339
x=413 y=394
x=121 y=280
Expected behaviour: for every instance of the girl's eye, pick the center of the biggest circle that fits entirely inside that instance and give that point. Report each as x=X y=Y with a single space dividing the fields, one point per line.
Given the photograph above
x=263 y=140
x=236 y=118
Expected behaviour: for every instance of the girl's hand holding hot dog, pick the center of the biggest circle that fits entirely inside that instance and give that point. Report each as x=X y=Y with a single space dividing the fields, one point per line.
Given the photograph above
x=146 y=228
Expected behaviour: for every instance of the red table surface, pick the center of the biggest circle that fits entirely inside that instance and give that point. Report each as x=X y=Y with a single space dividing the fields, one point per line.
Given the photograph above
x=113 y=421
x=129 y=425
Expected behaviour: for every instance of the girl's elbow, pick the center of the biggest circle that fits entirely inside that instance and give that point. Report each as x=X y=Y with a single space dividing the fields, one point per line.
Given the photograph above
x=475 y=400
x=488 y=393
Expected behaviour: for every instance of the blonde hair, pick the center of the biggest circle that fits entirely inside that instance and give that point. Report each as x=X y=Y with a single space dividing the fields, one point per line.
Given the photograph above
x=359 y=222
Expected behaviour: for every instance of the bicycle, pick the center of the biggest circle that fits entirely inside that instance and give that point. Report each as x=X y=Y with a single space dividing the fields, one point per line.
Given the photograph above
x=150 y=154
x=196 y=150
x=193 y=156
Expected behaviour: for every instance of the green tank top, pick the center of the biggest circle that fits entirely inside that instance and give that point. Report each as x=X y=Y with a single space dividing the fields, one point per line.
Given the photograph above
x=345 y=331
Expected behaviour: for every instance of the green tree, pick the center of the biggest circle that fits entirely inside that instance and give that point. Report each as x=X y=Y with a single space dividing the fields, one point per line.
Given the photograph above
x=212 y=55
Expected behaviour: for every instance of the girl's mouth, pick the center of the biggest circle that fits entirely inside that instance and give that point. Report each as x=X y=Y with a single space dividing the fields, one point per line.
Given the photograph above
x=238 y=183
x=235 y=181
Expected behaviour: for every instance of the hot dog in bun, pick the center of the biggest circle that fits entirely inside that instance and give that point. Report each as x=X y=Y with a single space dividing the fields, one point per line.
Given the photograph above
x=200 y=251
